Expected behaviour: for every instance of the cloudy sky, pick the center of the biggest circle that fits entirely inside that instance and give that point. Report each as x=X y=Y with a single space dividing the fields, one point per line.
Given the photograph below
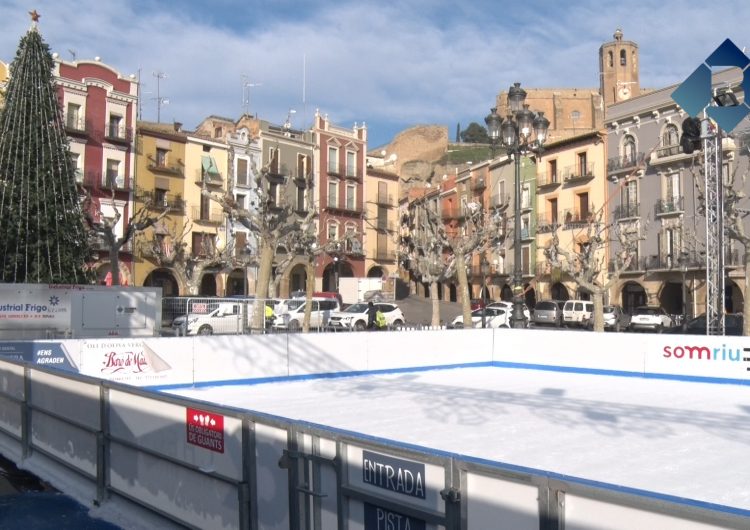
x=392 y=67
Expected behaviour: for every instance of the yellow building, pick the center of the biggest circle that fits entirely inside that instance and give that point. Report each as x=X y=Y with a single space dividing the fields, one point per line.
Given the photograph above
x=206 y=233
x=161 y=251
x=381 y=222
x=3 y=81
x=571 y=190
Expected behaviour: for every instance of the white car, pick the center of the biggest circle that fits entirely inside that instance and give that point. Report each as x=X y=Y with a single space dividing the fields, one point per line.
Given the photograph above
x=494 y=317
x=218 y=318
x=320 y=313
x=509 y=307
x=650 y=318
x=577 y=312
x=354 y=317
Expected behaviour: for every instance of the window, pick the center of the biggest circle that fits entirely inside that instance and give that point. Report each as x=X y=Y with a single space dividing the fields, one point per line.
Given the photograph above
x=333 y=160
x=218 y=132
x=525 y=226
x=113 y=174
x=206 y=148
x=115 y=126
x=242 y=174
x=552 y=208
x=525 y=197
x=75 y=159
x=351 y=197
x=301 y=199
x=273 y=160
x=273 y=194
x=623 y=58
x=333 y=194
x=583 y=205
x=351 y=164
x=610 y=59
x=73 y=117
x=205 y=211
x=628 y=148
x=333 y=231
x=161 y=157
x=670 y=136
x=160 y=198
x=552 y=171
x=303 y=166
x=583 y=169
x=501 y=191
x=240 y=200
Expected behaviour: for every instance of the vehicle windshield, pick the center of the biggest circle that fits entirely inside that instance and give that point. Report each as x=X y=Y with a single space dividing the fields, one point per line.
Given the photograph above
x=546 y=306
x=646 y=311
x=609 y=309
x=294 y=304
x=356 y=308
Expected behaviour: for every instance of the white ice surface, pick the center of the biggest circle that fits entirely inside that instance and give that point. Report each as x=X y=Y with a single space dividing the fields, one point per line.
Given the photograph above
x=678 y=438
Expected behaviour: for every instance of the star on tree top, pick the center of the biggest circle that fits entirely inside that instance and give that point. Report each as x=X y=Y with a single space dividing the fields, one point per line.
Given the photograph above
x=34 y=16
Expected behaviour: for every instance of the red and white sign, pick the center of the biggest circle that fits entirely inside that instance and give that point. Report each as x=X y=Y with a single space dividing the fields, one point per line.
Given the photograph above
x=205 y=429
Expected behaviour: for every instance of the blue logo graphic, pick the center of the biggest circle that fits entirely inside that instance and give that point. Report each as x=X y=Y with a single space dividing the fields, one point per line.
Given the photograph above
x=54 y=300
x=694 y=94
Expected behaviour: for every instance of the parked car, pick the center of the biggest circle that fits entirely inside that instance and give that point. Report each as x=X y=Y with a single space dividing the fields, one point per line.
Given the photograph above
x=577 y=312
x=219 y=318
x=697 y=326
x=615 y=318
x=321 y=311
x=548 y=313
x=509 y=306
x=650 y=318
x=354 y=317
x=494 y=317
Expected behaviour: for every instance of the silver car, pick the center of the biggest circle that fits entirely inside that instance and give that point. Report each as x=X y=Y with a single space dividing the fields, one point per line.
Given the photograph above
x=548 y=313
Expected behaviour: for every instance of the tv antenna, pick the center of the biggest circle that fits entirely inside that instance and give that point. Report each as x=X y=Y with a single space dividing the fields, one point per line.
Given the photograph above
x=246 y=86
x=73 y=54
x=159 y=99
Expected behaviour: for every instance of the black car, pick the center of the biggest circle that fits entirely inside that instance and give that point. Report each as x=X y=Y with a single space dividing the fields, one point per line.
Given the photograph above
x=697 y=326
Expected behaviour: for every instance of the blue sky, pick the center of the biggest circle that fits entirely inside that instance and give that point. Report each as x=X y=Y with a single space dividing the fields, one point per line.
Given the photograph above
x=392 y=67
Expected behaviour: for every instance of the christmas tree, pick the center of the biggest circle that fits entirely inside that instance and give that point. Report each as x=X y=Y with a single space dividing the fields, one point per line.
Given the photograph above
x=42 y=235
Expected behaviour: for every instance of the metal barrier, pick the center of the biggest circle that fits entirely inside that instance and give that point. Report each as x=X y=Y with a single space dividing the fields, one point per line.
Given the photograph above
x=183 y=316
x=205 y=466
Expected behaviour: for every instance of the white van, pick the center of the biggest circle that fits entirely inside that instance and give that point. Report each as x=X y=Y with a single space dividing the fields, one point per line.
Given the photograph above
x=577 y=312
x=321 y=311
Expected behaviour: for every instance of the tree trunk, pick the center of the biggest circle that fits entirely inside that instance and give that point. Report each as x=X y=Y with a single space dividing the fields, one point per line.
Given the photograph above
x=746 y=306
x=261 y=289
x=114 y=262
x=309 y=289
x=463 y=287
x=598 y=296
x=435 y=303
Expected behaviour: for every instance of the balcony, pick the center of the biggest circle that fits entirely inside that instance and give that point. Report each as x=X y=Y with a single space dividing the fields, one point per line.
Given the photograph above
x=384 y=199
x=203 y=217
x=353 y=173
x=669 y=206
x=76 y=125
x=95 y=180
x=665 y=154
x=210 y=178
x=162 y=201
x=546 y=223
x=579 y=173
x=160 y=166
x=547 y=181
x=627 y=211
x=478 y=184
x=625 y=163
x=527 y=234
x=333 y=204
x=577 y=218
x=116 y=133
x=334 y=169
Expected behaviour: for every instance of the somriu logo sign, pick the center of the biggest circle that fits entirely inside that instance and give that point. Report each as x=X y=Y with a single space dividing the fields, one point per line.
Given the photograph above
x=694 y=94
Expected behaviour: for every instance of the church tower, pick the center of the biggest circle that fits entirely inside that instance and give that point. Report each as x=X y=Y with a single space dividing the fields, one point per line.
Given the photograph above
x=618 y=70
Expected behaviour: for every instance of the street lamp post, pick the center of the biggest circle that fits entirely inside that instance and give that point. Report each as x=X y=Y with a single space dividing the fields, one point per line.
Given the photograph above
x=683 y=269
x=484 y=269
x=521 y=132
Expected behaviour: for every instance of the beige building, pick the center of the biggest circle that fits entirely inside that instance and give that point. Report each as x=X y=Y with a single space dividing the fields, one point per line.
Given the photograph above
x=571 y=191
x=381 y=223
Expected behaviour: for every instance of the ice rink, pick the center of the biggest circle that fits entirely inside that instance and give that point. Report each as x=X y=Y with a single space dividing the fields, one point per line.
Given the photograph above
x=685 y=439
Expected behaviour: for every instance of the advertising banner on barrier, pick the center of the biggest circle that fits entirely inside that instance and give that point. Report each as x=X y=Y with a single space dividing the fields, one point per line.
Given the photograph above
x=52 y=354
x=699 y=356
x=378 y=518
x=139 y=362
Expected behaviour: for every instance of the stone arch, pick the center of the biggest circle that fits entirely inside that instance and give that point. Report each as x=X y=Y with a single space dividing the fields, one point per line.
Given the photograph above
x=237 y=282
x=632 y=295
x=558 y=291
x=529 y=295
x=165 y=279
x=376 y=272
x=207 y=286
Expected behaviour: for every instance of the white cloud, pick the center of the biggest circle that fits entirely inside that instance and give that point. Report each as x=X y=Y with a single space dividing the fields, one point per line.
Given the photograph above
x=420 y=62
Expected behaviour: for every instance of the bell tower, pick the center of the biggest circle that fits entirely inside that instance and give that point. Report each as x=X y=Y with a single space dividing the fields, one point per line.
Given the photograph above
x=618 y=70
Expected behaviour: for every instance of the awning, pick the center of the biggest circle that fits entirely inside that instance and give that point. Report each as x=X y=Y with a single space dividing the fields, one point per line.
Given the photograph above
x=209 y=165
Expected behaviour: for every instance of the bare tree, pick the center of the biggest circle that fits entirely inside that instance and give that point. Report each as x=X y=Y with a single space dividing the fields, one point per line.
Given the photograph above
x=586 y=265
x=435 y=253
x=270 y=221
x=104 y=229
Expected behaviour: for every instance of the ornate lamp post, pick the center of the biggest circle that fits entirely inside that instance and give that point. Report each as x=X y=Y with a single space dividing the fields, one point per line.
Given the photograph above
x=521 y=132
x=683 y=268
